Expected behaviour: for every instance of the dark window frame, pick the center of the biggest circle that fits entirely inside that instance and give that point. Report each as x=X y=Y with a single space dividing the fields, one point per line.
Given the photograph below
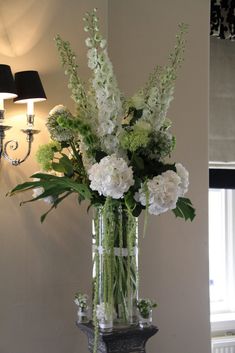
x=221 y=178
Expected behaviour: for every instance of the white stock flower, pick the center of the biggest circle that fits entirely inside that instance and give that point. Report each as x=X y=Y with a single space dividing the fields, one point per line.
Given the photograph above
x=92 y=58
x=103 y=43
x=111 y=142
x=88 y=42
x=162 y=191
x=184 y=176
x=106 y=127
x=108 y=96
x=111 y=177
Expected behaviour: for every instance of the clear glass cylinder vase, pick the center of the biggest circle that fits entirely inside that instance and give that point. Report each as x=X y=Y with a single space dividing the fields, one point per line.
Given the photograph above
x=115 y=274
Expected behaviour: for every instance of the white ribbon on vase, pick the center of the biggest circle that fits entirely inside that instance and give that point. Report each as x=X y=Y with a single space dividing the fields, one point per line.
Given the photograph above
x=121 y=252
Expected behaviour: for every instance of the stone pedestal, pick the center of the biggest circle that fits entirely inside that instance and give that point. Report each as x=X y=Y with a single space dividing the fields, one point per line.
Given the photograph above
x=127 y=340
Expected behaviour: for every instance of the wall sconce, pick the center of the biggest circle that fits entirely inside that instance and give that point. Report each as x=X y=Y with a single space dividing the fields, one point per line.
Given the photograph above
x=25 y=89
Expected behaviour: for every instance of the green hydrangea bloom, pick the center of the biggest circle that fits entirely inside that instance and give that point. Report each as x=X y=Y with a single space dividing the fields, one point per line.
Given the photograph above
x=136 y=138
x=45 y=155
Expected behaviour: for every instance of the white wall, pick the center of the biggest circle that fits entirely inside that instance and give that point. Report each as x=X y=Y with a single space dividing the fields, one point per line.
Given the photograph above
x=174 y=255
x=41 y=266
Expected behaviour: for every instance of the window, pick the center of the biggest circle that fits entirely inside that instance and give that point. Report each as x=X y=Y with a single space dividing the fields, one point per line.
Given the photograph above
x=222 y=252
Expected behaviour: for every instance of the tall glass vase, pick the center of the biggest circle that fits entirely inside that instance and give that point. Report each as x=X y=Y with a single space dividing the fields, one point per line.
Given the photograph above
x=115 y=275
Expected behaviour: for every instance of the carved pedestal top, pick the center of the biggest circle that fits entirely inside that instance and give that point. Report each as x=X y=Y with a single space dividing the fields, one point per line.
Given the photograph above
x=126 y=340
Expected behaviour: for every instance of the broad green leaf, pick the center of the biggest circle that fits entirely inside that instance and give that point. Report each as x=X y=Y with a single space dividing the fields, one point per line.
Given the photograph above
x=66 y=162
x=25 y=186
x=54 y=185
x=184 y=209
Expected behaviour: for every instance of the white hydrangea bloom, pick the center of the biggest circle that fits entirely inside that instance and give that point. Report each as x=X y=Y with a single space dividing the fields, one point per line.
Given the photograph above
x=184 y=176
x=163 y=192
x=111 y=177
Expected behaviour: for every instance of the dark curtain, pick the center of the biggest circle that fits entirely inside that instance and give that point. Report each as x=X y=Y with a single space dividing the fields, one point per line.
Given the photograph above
x=223 y=19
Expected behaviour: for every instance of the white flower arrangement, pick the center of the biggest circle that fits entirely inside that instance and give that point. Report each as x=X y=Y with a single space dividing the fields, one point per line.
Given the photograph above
x=117 y=146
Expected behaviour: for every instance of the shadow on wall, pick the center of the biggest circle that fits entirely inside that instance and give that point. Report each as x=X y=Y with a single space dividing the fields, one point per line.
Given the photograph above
x=31 y=19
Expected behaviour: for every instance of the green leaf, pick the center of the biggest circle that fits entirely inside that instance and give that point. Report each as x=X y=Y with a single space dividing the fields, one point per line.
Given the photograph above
x=44 y=176
x=184 y=209
x=24 y=187
x=137 y=114
x=130 y=201
x=137 y=210
x=58 y=167
x=137 y=161
x=63 y=166
x=99 y=155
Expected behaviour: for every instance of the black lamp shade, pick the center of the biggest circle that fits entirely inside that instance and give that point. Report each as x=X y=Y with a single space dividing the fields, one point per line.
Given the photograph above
x=7 y=84
x=29 y=87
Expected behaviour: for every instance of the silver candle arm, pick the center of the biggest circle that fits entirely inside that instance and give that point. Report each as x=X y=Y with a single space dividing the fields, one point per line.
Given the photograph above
x=13 y=145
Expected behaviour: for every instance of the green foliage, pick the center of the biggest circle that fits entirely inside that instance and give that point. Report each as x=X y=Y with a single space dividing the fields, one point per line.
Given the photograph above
x=84 y=129
x=56 y=187
x=184 y=209
x=145 y=307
